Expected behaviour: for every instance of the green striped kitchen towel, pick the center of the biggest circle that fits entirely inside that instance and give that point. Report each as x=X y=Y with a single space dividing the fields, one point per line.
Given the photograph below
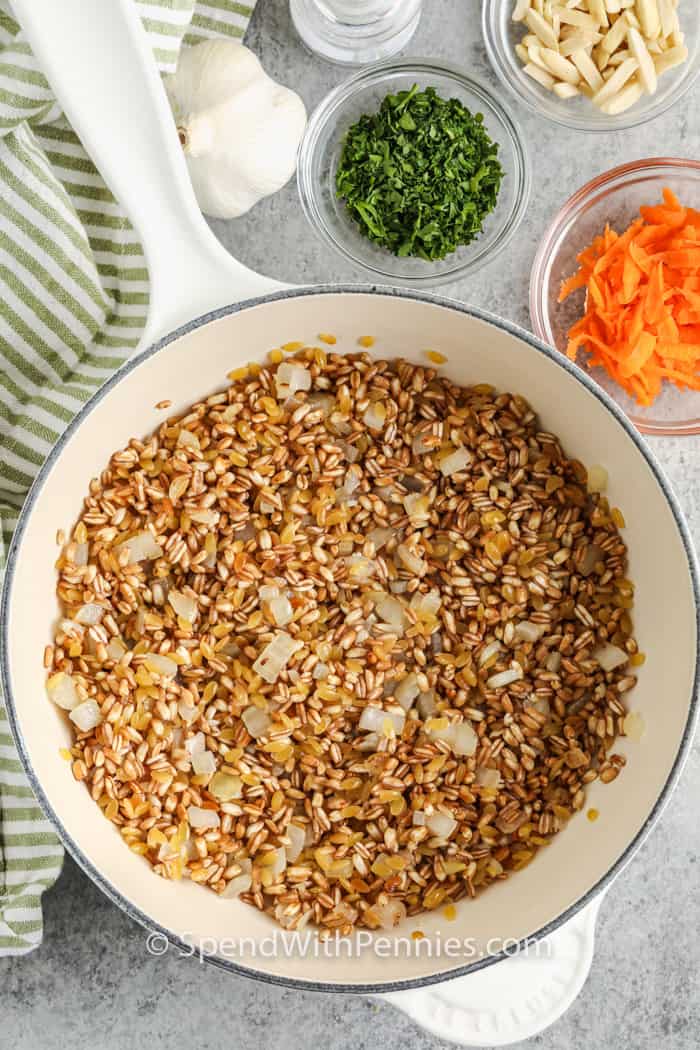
x=73 y=299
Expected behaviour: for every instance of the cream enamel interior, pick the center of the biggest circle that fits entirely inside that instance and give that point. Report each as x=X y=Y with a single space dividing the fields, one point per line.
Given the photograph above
x=195 y=365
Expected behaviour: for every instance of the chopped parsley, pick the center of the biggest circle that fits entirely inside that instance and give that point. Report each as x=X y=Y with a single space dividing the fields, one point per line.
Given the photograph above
x=420 y=175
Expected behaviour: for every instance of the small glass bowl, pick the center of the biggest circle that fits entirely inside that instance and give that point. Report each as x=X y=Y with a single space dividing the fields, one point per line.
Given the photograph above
x=501 y=35
x=613 y=198
x=321 y=148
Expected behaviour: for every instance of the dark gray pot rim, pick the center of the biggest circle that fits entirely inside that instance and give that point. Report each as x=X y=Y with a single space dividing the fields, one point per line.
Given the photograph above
x=84 y=861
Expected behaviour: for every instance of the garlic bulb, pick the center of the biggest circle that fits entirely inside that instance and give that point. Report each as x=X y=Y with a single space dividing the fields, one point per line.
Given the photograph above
x=239 y=128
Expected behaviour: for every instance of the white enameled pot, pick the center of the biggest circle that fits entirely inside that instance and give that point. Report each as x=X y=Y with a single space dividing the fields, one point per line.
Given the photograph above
x=202 y=323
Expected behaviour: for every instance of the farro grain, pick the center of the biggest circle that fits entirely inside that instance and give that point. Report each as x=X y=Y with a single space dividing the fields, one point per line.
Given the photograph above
x=244 y=494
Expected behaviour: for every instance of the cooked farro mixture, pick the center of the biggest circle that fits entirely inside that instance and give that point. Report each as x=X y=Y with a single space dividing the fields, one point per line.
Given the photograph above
x=345 y=640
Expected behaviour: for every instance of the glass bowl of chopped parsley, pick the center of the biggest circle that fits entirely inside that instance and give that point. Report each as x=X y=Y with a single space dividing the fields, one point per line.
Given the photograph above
x=414 y=172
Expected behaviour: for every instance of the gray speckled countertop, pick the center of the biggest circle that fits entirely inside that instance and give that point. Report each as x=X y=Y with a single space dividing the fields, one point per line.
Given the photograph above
x=92 y=983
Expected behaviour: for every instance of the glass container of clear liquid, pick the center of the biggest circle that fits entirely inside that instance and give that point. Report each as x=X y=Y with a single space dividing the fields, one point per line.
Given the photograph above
x=355 y=32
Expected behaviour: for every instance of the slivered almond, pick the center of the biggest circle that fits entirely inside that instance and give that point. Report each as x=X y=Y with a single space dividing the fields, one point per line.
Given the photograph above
x=540 y=75
x=623 y=99
x=588 y=70
x=541 y=28
x=647 y=69
x=560 y=67
x=597 y=9
x=615 y=36
x=534 y=52
x=648 y=14
x=668 y=17
x=578 y=41
x=617 y=81
x=572 y=17
x=564 y=90
x=599 y=48
x=675 y=56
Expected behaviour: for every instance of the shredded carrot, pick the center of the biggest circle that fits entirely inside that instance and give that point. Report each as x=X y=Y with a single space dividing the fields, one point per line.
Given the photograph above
x=642 y=313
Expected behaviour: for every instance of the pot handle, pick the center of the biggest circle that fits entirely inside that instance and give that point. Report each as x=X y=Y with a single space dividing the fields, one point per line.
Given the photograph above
x=97 y=58
x=512 y=1000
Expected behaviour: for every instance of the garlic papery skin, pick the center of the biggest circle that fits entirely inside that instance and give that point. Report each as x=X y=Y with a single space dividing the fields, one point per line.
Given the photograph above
x=239 y=128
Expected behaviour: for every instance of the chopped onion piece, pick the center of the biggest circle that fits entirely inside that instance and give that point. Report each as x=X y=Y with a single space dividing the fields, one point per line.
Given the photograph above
x=237 y=885
x=410 y=560
x=593 y=555
x=553 y=662
x=203 y=763
x=375 y=719
x=324 y=402
x=391 y=611
x=187 y=712
x=464 y=739
x=459 y=736
x=426 y=704
x=360 y=569
x=398 y=586
x=116 y=649
x=610 y=656
x=62 y=691
x=281 y=610
x=454 y=462
x=379 y=537
x=71 y=628
x=297 y=839
x=200 y=819
x=418 y=819
x=257 y=722
x=196 y=744
x=203 y=517
x=541 y=704
x=90 y=614
x=419 y=445
x=417 y=507
x=368 y=743
x=86 y=716
x=634 y=726
x=389 y=914
x=273 y=861
x=488 y=651
x=351 y=452
x=488 y=778
x=141 y=547
x=440 y=824
x=406 y=691
x=80 y=554
x=160 y=664
x=224 y=786
x=426 y=606
x=184 y=606
x=375 y=415
x=597 y=479
x=352 y=482
x=186 y=439
x=275 y=656
x=525 y=631
x=291 y=377
x=504 y=678
x=268 y=592
x=320 y=671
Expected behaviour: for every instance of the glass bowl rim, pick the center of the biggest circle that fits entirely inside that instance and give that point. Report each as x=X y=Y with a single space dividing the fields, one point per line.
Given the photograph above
x=601 y=185
x=561 y=114
x=333 y=102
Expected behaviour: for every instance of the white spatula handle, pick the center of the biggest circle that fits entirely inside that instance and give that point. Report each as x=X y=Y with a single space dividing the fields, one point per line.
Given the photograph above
x=98 y=61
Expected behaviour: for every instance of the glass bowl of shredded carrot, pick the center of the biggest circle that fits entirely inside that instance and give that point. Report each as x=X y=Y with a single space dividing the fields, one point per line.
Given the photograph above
x=616 y=286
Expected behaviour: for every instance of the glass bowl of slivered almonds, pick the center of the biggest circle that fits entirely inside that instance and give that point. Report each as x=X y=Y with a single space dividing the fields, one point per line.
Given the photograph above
x=594 y=65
